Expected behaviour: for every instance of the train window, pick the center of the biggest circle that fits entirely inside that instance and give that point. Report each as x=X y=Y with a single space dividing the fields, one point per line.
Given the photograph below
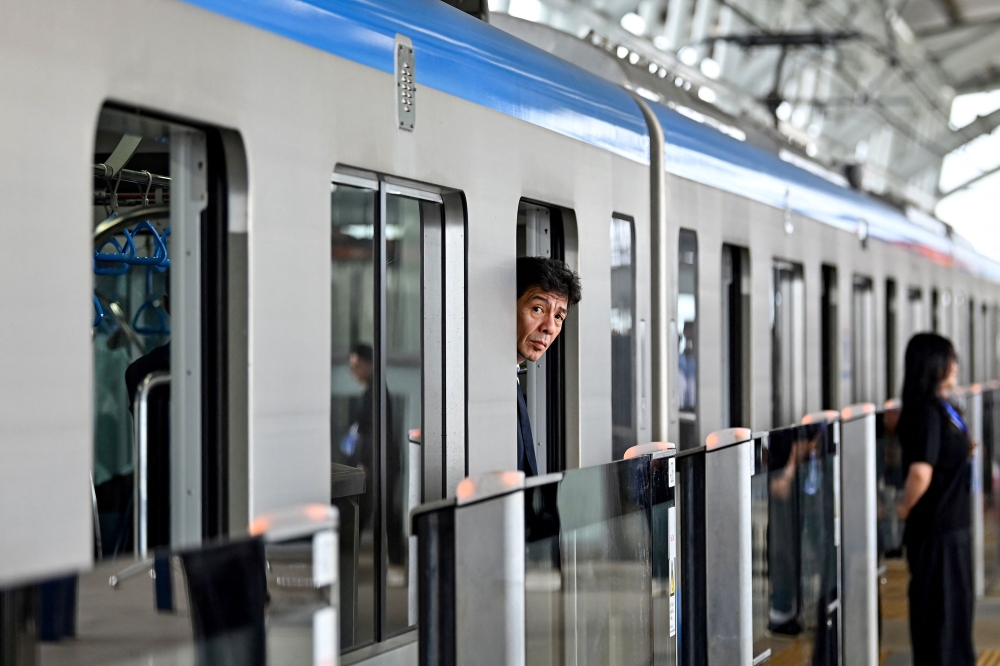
x=540 y=234
x=623 y=338
x=830 y=357
x=994 y=341
x=891 y=337
x=735 y=336
x=935 y=311
x=788 y=370
x=970 y=332
x=915 y=311
x=390 y=368
x=687 y=333
x=946 y=320
x=989 y=353
x=159 y=343
x=863 y=341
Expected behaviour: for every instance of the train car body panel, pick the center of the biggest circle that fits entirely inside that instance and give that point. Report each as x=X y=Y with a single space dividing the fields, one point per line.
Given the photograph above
x=461 y=56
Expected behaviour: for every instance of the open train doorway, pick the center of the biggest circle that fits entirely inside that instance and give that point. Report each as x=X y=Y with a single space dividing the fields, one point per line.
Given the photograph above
x=735 y=336
x=540 y=233
x=687 y=339
x=161 y=326
x=829 y=348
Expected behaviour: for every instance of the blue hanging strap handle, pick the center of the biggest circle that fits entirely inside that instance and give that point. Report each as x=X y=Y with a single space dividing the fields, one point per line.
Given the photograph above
x=120 y=255
x=165 y=264
x=110 y=269
x=162 y=324
x=160 y=248
x=117 y=262
x=98 y=311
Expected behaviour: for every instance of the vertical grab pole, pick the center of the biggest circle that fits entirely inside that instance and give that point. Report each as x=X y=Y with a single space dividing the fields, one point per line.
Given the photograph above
x=975 y=410
x=860 y=536
x=140 y=425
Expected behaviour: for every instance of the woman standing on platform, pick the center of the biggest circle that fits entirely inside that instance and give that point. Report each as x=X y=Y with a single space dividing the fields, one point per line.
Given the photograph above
x=936 y=506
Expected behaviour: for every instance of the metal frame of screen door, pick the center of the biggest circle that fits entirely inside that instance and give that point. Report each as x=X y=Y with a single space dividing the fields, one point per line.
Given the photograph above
x=188 y=198
x=538 y=243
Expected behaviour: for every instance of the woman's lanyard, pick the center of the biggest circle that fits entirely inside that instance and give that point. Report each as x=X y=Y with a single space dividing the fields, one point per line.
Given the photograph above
x=955 y=417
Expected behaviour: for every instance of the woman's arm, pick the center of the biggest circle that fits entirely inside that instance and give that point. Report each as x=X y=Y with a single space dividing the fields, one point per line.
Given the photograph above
x=918 y=480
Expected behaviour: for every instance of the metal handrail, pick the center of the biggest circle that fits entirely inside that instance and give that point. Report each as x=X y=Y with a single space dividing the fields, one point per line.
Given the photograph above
x=140 y=423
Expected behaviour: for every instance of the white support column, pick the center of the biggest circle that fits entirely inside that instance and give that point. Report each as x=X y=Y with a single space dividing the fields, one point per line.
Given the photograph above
x=859 y=539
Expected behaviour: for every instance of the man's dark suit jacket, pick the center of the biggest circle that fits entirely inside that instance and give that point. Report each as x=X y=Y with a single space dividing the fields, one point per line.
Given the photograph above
x=525 y=443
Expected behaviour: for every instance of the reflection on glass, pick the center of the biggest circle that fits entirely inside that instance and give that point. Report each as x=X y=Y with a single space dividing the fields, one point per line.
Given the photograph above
x=759 y=548
x=588 y=575
x=623 y=434
x=801 y=548
x=404 y=401
x=687 y=332
x=352 y=397
x=890 y=479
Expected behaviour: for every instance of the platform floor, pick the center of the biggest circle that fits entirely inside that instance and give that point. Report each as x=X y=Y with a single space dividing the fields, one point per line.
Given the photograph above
x=895 y=630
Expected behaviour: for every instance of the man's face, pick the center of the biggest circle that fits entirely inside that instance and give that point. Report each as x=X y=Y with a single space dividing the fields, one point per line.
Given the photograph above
x=361 y=369
x=540 y=317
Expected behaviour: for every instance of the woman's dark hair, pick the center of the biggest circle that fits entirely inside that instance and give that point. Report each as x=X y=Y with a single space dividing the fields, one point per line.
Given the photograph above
x=928 y=361
x=549 y=275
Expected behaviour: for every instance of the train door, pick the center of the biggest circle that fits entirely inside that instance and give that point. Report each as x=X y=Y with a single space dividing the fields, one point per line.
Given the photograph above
x=891 y=337
x=687 y=342
x=540 y=234
x=989 y=350
x=788 y=367
x=829 y=349
x=161 y=335
x=625 y=385
x=397 y=404
x=935 y=311
x=735 y=336
x=863 y=341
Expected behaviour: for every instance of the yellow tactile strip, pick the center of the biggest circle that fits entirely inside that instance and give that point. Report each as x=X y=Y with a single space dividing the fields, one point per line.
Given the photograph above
x=989 y=658
x=894 y=597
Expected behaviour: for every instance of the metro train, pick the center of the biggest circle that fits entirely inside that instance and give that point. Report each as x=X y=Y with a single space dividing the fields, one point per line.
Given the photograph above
x=319 y=204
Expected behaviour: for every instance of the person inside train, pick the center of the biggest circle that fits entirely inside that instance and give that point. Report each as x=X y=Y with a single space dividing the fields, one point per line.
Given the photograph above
x=357 y=450
x=936 y=506
x=546 y=290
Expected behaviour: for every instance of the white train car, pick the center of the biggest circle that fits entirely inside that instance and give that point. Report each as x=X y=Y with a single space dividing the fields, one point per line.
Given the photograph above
x=346 y=182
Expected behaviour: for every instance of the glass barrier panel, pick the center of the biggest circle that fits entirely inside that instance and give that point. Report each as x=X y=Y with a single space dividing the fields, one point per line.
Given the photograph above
x=890 y=479
x=802 y=548
x=588 y=571
x=759 y=562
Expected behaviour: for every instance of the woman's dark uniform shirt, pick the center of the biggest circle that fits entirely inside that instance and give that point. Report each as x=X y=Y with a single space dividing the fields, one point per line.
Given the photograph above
x=932 y=437
x=938 y=543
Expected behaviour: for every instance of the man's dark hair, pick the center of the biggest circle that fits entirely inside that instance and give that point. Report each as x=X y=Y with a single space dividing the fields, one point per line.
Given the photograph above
x=549 y=275
x=364 y=352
